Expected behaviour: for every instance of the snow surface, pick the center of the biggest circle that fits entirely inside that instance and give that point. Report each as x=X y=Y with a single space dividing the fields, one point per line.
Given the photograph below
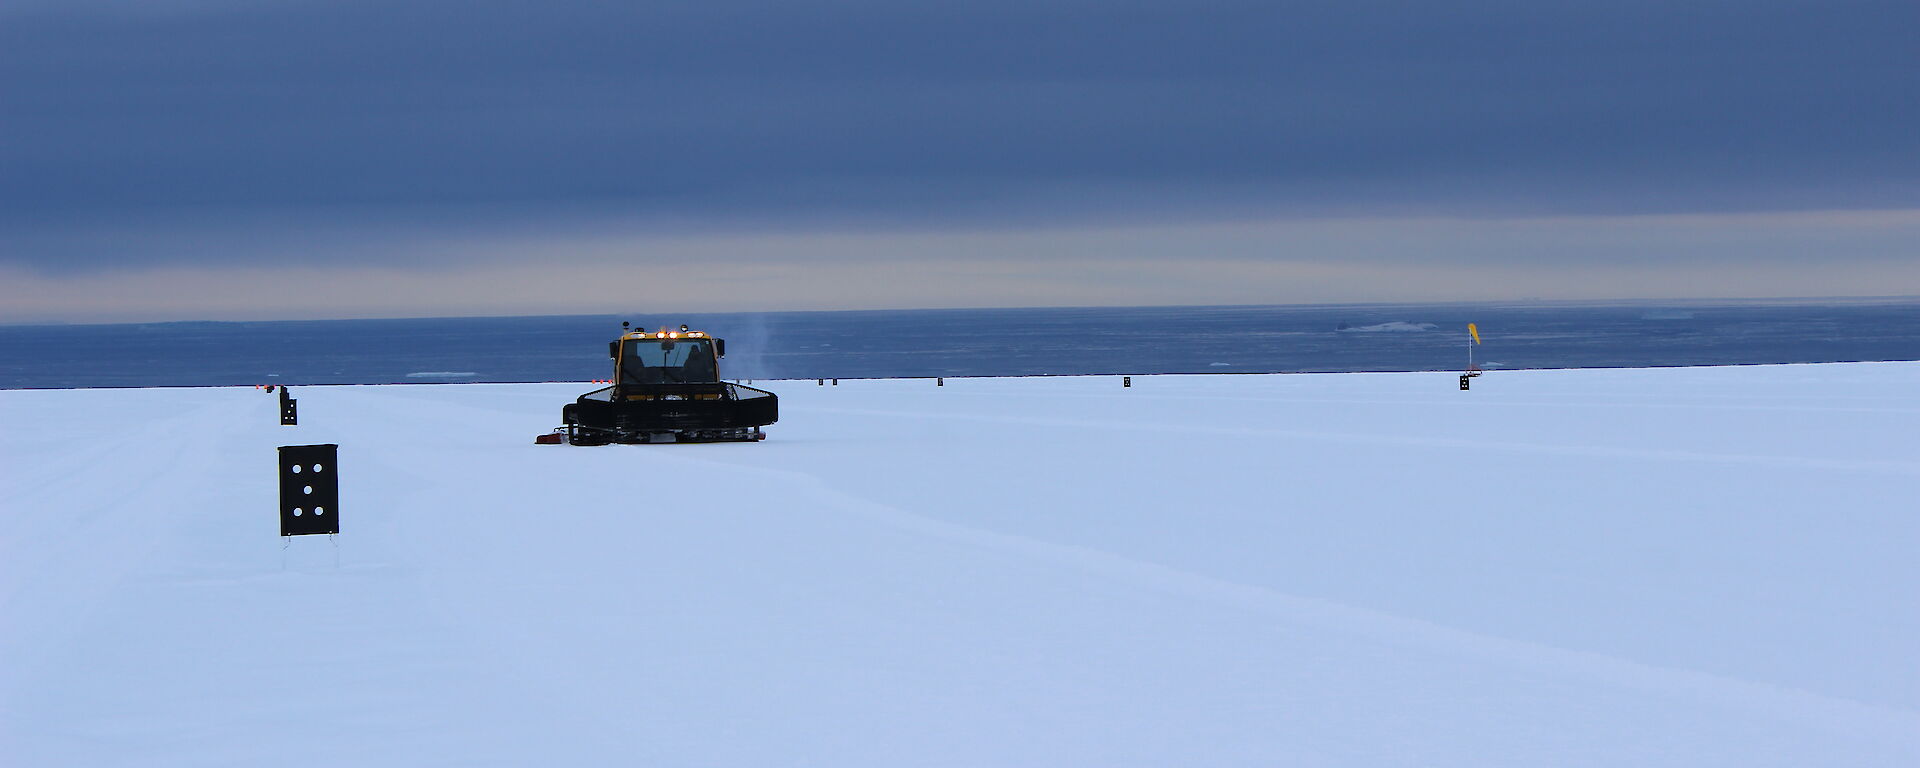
x=1677 y=567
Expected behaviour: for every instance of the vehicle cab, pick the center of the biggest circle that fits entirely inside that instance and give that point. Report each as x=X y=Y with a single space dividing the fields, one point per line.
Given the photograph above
x=666 y=364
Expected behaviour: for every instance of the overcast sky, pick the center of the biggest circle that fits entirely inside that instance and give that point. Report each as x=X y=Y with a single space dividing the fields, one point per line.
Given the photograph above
x=220 y=159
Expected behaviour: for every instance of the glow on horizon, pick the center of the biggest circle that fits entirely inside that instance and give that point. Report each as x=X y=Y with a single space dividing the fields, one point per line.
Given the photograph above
x=607 y=268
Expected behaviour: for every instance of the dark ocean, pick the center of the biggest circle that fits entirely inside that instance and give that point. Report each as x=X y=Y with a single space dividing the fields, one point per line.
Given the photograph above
x=971 y=342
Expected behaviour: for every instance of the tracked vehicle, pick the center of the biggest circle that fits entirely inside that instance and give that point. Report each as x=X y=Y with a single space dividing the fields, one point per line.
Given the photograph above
x=666 y=388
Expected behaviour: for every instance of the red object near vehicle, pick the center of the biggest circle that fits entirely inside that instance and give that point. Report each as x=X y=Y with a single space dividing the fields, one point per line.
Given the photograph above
x=554 y=438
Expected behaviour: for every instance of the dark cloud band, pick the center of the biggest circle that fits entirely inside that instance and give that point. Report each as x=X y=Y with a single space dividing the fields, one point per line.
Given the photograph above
x=871 y=110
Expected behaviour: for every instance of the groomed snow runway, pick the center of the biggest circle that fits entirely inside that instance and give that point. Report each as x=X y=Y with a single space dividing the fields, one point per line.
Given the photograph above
x=1677 y=567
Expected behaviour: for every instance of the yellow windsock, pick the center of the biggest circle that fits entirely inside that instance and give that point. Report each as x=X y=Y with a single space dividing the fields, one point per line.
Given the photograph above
x=1474 y=331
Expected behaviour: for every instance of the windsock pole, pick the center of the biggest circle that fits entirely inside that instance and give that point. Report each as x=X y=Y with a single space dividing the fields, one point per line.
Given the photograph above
x=1473 y=337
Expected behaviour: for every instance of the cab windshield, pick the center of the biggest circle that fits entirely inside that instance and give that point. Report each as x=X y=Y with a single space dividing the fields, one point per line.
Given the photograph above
x=667 y=361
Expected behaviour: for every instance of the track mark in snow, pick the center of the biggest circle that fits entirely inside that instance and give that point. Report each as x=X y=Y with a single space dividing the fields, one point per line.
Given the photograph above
x=1830 y=713
x=1787 y=462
